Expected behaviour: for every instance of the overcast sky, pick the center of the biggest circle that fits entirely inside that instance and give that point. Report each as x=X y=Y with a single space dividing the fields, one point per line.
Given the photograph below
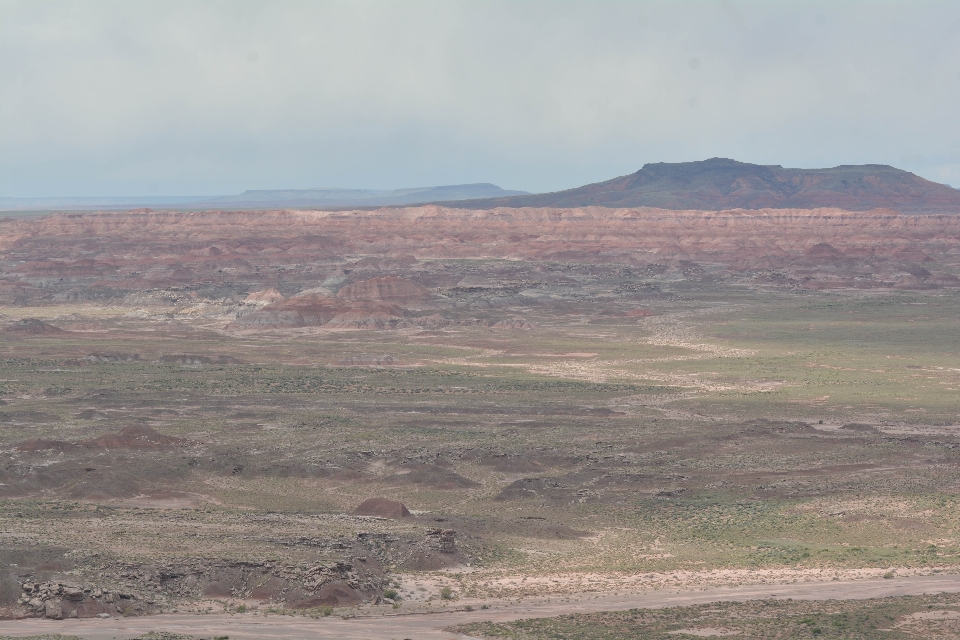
x=189 y=98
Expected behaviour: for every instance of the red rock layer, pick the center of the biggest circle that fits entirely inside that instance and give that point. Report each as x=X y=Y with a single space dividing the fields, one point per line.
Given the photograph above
x=143 y=250
x=387 y=289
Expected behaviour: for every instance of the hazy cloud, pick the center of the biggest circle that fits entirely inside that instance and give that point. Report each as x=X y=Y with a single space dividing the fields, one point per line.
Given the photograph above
x=121 y=98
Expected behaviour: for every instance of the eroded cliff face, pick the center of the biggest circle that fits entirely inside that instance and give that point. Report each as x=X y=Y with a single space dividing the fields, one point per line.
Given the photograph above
x=360 y=256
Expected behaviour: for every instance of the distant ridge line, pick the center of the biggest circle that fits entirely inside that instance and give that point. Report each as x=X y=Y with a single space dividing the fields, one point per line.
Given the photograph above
x=270 y=198
x=722 y=184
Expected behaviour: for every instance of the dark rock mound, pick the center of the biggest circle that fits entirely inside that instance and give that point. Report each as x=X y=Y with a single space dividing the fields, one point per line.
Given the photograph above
x=435 y=477
x=136 y=437
x=382 y=508
x=32 y=327
x=823 y=250
x=824 y=253
x=856 y=426
x=39 y=444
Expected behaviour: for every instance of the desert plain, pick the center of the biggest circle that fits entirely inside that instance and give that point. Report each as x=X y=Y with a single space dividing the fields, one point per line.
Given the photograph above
x=217 y=413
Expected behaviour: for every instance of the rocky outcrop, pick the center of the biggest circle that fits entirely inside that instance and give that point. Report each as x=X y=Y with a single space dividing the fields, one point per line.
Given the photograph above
x=59 y=600
x=297 y=586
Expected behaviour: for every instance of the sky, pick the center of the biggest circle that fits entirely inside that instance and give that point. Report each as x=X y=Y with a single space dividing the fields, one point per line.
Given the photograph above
x=125 y=98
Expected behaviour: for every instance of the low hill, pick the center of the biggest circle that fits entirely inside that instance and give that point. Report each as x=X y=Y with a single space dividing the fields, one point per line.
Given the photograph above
x=719 y=184
x=270 y=199
x=336 y=198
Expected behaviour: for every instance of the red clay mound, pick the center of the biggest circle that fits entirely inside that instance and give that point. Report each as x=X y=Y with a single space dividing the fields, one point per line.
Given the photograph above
x=386 y=289
x=299 y=311
x=824 y=250
x=32 y=327
x=382 y=508
x=367 y=315
x=640 y=313
x=138 y=437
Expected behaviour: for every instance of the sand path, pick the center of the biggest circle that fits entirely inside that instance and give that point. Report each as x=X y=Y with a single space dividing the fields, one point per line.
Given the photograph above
x=429 y=625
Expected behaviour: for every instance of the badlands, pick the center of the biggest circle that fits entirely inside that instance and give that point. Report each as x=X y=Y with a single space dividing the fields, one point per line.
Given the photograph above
x=350 y=416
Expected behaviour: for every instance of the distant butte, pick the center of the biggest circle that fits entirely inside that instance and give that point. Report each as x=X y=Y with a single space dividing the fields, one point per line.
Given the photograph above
x=32 y=326
x=721 y=184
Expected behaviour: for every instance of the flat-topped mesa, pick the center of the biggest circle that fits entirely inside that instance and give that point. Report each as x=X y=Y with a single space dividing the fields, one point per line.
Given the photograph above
x=721 y=183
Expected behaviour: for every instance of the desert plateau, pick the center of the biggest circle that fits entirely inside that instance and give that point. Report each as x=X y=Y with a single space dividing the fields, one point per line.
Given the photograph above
x=348 y=416
x=462 y=320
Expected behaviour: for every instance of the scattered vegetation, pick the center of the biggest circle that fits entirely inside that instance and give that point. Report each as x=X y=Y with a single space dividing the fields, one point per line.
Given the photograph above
x=915 y=617
x=724 y=429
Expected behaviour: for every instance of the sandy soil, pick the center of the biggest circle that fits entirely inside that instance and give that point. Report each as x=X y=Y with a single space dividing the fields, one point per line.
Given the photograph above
x=429 y=625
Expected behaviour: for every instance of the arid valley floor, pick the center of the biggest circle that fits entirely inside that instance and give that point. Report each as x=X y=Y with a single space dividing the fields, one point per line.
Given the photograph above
x=572 y=404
